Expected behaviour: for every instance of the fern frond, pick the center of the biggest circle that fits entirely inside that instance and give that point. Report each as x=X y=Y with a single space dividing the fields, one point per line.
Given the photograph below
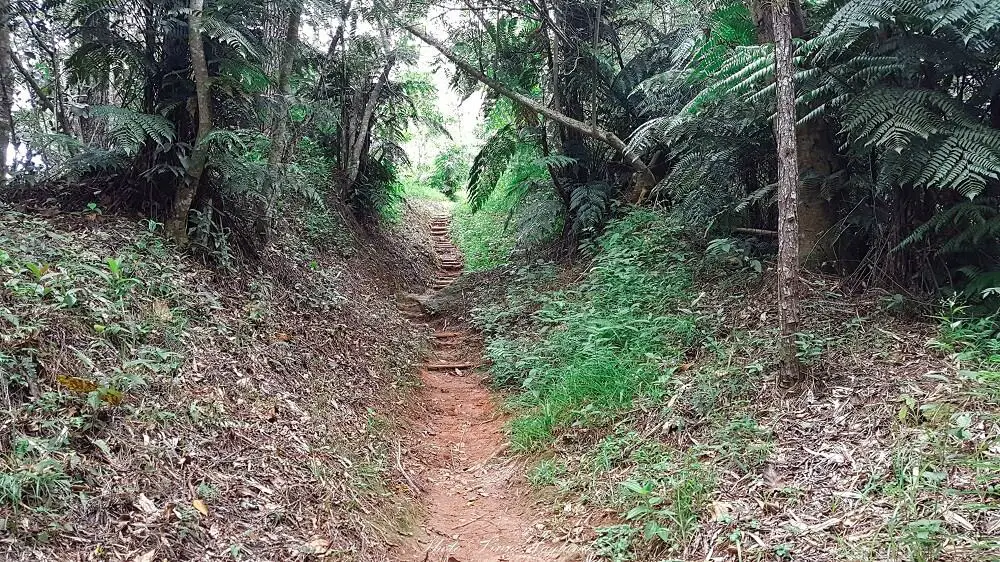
x=490 y=163
x=128 y=130
x=747 y=70
x=589 y=205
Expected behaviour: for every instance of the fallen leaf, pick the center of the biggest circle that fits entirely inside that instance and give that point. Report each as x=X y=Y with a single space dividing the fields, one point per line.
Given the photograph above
x=76 y=384
x=200 y=506
x=146 y=557
x=160 y=310
x=771 y=477
x=956 y=519
x=720 y=510
x=316 y=546
x=146 y=505
x=282 y=336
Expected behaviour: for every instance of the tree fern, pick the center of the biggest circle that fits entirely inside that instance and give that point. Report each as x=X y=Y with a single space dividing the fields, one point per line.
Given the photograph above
x=945 y=144
x=590 y=204
x=966 y=225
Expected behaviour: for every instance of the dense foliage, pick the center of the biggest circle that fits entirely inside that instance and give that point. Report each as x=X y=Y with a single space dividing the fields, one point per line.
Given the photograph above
x=105 y=106
x=898 y=108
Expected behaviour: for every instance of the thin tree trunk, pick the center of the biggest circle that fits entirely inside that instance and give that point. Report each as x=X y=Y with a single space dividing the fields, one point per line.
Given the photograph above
x=361 y=129
x=6 y=91
x=816 y=152
x=58 y=98
x=39 y=94
x=788 y=174
x=338 y=36
x=177 y=227
x=279 y=139
x=552 y=129
x=643 y=179
x=597 y=64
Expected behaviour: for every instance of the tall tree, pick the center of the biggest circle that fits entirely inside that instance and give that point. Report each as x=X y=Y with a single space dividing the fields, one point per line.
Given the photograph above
x=788 y=176
x=6 y=89
x=186 y=193
x=279 y=136
x=362 y=120
x=816 y=154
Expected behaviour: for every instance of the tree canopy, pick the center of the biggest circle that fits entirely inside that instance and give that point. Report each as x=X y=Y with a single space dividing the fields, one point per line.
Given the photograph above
x=594 y=104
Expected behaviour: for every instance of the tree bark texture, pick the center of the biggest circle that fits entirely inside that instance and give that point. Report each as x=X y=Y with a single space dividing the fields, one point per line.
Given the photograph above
x=6 y=93
x=177 y=227
x=279 y=137
x=816 y=154
x=788 y=173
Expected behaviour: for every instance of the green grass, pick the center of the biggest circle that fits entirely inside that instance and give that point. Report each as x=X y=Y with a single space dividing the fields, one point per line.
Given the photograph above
x=607 y=341
x=481 y=236
x=509 y=226
x=413 y=189
x=601 y=357
x=640 y=398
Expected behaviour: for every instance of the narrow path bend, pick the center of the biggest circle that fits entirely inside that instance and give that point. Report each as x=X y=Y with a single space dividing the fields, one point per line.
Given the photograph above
x=475 y=505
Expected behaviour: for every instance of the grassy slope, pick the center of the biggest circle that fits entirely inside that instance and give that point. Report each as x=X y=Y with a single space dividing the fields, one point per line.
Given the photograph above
x=157 y=406
x=645 y=386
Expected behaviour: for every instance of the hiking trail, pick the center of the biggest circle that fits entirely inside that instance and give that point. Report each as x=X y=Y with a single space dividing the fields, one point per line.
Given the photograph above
x=475 y=505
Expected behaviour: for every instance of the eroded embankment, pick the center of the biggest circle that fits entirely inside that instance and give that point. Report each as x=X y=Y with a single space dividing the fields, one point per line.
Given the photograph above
x=156 y=409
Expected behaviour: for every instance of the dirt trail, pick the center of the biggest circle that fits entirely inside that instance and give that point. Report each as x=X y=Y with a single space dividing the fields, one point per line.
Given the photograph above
x=476 y=508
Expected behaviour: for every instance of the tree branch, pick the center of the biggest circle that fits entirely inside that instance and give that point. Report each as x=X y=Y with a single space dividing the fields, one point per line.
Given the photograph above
x=30 y=80
x=644 y=179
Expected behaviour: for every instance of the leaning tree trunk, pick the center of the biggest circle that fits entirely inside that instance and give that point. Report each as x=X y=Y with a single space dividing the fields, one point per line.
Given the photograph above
x=788 y=173
x=643 y=179
x=279 y=139
x=817 y=155
x=177 y=226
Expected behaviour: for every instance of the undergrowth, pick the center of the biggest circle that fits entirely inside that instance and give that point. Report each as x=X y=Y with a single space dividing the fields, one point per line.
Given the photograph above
x=476 y=235
x=81 y=331
x=638 y=382
x=137 y=385
x=605 y=341
x=506 y=228
x=615 y=350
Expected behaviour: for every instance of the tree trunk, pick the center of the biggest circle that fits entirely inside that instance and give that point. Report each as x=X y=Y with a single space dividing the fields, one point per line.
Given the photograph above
x=6 y=94
x=642 y=179
x=788 y=173
x=817 y=154
x=363 y=126
x=279 y=138
x=39 y=93
x=597 y=66
x=186 y=193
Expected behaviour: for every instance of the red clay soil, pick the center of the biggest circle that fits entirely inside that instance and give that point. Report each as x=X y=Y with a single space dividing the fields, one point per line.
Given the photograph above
x=476 y=507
